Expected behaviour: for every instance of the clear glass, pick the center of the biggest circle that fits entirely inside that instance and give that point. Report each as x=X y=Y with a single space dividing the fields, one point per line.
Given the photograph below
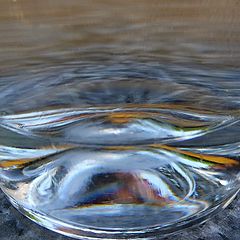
x=119 y=119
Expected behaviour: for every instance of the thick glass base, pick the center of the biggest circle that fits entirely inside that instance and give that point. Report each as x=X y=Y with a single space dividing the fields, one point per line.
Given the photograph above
x=83 y=232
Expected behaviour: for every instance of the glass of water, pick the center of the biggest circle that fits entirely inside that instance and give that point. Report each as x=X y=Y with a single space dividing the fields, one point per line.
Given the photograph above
x=119 y=119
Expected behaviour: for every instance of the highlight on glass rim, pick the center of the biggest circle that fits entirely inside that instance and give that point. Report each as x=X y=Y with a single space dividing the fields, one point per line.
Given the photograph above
x=119 y=119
